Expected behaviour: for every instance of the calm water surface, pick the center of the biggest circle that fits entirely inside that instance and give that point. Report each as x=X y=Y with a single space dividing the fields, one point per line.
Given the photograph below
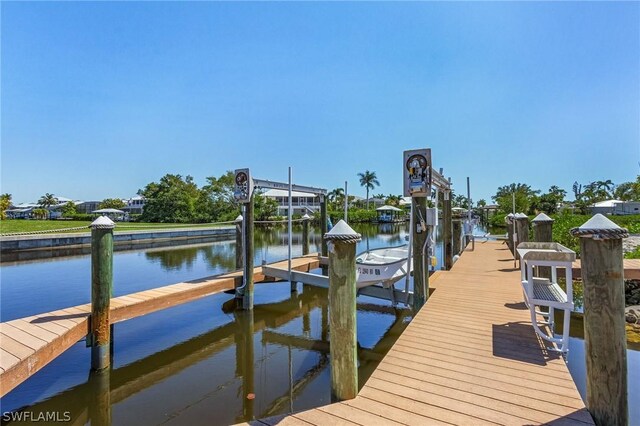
x=196 y=363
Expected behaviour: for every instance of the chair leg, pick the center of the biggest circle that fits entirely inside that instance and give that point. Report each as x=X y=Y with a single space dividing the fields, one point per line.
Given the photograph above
x=565 y=331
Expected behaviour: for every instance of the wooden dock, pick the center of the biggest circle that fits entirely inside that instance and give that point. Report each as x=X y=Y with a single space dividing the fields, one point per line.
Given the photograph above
x=631 y=269
x=470 y=356
x=28 y=344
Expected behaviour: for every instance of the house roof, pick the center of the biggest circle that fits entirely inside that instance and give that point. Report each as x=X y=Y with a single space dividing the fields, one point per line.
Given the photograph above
x=606 y=203
x=388 y=208
x=285 y=193
x=108 y=211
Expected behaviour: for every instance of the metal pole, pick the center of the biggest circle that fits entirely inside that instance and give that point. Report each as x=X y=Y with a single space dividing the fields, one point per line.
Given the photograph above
x=420 y=274
x=101 y=291
x=470 y=230
x=515 y=237
x=409 y=258
x=294 y=286
x=346 y=203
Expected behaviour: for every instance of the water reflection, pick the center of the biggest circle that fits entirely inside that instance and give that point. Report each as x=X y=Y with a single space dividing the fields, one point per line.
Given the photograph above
x=268 y=242
x=281 y=362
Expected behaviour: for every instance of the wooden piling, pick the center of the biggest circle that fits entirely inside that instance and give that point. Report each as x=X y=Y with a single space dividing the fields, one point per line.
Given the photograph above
x=246 y=360
x=246 y=291
x=543 y=233
x=100 y=397
x=305 y=234
x=447 y=225
x=239 y=245
x=522 y=230
x=323 y=223
x=604 y=319
x=420 y=263
x=101 y=291
x=510 y=220
x=457 y=237
x=342 y=311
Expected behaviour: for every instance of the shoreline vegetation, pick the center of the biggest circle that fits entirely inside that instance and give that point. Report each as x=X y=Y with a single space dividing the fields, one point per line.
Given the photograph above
x=15 y=226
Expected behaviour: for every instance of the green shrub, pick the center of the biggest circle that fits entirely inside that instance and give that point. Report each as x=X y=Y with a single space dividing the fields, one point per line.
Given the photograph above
x=565 y=221
x=354 y=216
x=82 y=216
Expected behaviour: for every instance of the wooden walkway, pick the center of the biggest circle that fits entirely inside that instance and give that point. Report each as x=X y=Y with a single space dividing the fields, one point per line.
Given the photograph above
x=470 y=357
x=28 y=344
x=631 y=269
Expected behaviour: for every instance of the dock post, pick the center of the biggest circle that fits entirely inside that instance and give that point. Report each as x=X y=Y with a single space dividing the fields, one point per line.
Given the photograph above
x=245 y=360
x=457 y=236
x=522 y=230
x=509 y=220
x=100 y=397
x=323 y=223
x=604 y=323
x=543 y=233
x=420 y=264
x=101 y=291
x=446 y=230
x=239 y=248
x=246 y=291
x=305 y=234
x=342 y=311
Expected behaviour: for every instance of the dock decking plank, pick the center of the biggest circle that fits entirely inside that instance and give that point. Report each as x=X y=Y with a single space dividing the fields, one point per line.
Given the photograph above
x=470 y=356
x=38 y=339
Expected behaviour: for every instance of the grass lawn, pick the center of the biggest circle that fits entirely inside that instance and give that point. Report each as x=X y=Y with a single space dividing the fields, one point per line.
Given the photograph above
x=20 y=225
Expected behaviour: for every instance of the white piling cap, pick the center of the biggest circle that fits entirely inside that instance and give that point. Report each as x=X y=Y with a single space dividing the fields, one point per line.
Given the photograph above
x=306 y=217
x=342 y=232
x=103 y=222
x=600 y=227
x=542 y=218
x=239 y=218
x=521 y=216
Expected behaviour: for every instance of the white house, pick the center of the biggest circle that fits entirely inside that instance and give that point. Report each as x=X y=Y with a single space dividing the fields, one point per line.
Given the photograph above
x=626 y=208
x=301 y=202
x=604 y=207
x=134 y=205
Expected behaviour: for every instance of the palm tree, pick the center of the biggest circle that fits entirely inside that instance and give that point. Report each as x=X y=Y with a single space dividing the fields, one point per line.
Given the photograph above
x=604 y=187
x=46 y=201
x=335 y=196
x=369 y=180
x=393 y=200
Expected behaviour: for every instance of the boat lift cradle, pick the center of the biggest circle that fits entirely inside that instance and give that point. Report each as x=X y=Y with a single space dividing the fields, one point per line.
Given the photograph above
x=540 y=291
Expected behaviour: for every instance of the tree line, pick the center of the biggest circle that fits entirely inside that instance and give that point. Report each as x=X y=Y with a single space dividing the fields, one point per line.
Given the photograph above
x=532 y=201
x=178 y=199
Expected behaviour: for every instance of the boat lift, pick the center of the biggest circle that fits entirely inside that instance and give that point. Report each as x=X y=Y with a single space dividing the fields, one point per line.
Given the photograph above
x=245 y=185
x=420 y=179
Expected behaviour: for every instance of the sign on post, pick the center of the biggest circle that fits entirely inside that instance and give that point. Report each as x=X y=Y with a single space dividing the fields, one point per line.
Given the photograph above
x=417 y=173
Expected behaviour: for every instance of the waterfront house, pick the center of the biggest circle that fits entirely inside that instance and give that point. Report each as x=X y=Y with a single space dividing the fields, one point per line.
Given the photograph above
x=134 y=205
x=301 y=202
x=626 y=208
x=604 y=207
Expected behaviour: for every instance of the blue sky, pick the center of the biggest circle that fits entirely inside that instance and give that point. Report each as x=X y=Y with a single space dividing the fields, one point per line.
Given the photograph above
x=98 y=99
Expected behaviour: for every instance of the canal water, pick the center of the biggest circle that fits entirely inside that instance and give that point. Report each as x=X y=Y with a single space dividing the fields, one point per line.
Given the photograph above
x=203 y=362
